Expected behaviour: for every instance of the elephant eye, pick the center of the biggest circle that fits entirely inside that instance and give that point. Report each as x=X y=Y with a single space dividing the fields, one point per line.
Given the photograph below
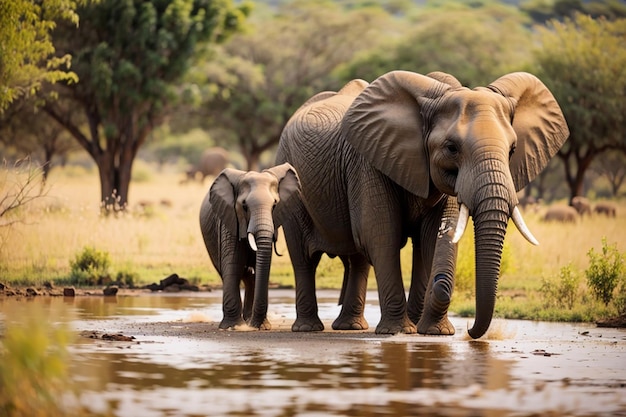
x=452 y=148
x=244 y=205
x=512 y=151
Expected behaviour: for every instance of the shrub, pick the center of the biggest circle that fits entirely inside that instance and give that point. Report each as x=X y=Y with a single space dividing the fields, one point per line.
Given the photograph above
x=90 y=267
x=34 y=365
x=564 y=292
x=605 y=271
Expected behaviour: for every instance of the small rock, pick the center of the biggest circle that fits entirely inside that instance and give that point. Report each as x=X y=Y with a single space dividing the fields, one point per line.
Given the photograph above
x=31 y=292
x=69 y=292
x=110 y=291
x=154 y=287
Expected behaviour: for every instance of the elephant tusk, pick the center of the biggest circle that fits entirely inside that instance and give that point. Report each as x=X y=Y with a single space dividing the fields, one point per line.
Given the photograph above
x=521 y=226
x=252 y=242
x=461 y=223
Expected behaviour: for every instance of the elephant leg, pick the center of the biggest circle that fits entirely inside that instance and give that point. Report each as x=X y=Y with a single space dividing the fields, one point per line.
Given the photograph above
x=307 y=318
x=231 y=302
x=440 y=255
x=394 y=318
x=419 y=279
x=353 y=299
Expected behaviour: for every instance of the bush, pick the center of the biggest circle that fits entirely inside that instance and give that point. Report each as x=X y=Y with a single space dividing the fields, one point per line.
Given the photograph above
x=564 y=292
x=34 y=365
x=90 y=267
x=605 y=272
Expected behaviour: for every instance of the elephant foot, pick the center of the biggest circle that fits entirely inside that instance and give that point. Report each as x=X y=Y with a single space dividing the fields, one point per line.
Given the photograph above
x=231 y=323
x=350 y=323
x=261 y=324
x=307 y=325
x=387 y=326
x=441 y=327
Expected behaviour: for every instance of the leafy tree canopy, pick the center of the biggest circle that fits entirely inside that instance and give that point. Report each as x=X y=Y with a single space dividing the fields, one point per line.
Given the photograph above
x=541 y=11
x=127 y=53
x=253 y=85
x=476 y=44
x=583 y=62
x=26 y=50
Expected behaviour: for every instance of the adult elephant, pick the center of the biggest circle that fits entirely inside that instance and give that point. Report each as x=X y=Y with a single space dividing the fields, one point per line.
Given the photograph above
x=582 y=205
x=413 y=156
x=561 y=213
x=239 y=218
x=211 y=163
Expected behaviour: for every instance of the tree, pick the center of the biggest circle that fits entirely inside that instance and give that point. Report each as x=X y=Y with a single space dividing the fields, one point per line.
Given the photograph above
x=583 y=62
x=255 y=83
x=127 y=54
x=29 y=131
x=475 y=44
x=612 y=166
x=26 y=50
x=541 y=11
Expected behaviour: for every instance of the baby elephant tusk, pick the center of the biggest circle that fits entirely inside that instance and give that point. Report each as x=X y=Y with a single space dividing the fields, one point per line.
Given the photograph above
x=461 y=224
x=252 y=242
x=521 y=226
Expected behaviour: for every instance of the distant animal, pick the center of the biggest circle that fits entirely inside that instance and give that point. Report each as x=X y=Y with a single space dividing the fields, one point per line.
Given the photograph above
x=561 y=213
x=239 y=219
x=528 y=202
x=211 y=163
x=609 y=209
x=582 y=205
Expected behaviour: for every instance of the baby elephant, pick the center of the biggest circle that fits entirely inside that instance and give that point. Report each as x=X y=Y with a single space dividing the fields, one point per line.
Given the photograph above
x=239 y=218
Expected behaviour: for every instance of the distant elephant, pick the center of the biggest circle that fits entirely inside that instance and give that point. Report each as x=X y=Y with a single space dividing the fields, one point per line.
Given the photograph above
x=239 y=218
x=561 y=213
x=211 y=163
x=609 y=209
x=582 y=205
x=412 y=156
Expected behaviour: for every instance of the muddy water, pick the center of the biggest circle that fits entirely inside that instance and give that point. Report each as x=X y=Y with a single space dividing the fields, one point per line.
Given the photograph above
x=179 y=364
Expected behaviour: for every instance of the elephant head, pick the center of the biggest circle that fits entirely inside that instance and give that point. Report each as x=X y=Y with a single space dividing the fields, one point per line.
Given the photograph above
x=252 y=205
x=431 y=135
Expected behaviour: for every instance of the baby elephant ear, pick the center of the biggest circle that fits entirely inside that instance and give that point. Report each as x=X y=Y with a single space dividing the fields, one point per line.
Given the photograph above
x=288 y=186
x=223 y=195
x=385 y=125
x=538 y=122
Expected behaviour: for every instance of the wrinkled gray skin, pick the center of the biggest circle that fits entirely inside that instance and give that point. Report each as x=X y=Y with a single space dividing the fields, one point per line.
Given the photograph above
x=582 y=205
x=211 y=163
x=561 y=213
x=239 y=218
x=410 y=156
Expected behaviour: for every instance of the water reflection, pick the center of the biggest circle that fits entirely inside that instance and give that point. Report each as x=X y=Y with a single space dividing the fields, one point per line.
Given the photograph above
x=199 y=372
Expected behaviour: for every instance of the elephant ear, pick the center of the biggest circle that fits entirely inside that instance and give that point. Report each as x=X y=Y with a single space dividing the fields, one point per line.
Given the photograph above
x=445 y=78
x=288 y=186
x=223 y=196
x=385 y=125
x=538 y=122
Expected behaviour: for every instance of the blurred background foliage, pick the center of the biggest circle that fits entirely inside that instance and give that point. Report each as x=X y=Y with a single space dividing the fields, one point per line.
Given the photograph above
x=164 y=80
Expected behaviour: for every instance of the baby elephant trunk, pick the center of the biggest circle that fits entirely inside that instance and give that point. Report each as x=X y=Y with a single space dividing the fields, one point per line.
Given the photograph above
x=262 y=244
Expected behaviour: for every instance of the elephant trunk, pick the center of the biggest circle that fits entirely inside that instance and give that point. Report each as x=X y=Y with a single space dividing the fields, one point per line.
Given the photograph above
x=263 y=241
x=491 y=207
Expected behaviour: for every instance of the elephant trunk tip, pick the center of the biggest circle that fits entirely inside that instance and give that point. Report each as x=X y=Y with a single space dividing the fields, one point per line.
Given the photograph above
x=479 y=329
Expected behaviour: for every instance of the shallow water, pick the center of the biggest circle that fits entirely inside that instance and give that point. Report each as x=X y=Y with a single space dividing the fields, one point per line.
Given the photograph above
x=179 y=364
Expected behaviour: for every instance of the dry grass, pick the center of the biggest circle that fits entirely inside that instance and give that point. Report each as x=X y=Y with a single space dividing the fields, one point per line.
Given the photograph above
x=163 y=236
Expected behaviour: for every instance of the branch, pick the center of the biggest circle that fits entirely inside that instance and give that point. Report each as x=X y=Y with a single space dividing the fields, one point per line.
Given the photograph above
x=19 y=193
